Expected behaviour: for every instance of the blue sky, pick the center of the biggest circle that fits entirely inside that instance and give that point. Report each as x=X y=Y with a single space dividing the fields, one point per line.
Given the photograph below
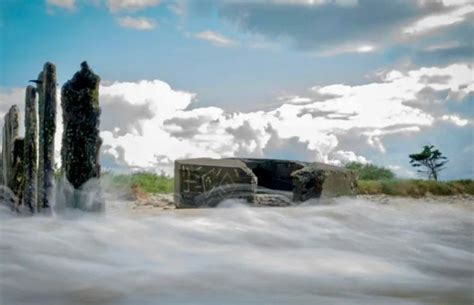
x=326 y=80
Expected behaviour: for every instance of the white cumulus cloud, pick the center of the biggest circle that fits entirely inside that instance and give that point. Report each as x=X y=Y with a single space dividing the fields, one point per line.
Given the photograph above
x=342 y=157
x=402 y=172
x=130 y=5
x=64 y=4
x=215 y=38
x=440 y=20
x=351 y=48
x=137 y=23
x=308 y=126
x=456 y=120
x=149 y=124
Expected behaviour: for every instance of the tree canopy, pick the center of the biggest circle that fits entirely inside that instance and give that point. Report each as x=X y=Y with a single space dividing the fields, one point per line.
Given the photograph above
x=429 y=161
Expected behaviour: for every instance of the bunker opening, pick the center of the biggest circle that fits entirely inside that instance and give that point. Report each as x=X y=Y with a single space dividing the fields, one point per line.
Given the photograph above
x=273 y=174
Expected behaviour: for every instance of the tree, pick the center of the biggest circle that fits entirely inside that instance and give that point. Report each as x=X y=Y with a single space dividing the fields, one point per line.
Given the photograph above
x=430 y=161
x=370 y=171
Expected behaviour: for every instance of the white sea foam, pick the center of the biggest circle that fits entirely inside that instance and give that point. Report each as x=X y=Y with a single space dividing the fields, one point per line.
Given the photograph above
x=349 y=252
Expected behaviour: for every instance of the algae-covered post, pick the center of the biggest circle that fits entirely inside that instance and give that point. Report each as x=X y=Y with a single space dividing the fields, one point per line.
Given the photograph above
x=18 y=173
x=10 y=133
x=47 y=128
x=40 y=176
x=30 y=150
x=81 y=141
x=1 y=169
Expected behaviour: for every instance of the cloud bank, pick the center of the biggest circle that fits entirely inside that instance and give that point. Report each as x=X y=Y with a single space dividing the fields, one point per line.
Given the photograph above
x=148 y=124
x=155 y=124
x=330 y=28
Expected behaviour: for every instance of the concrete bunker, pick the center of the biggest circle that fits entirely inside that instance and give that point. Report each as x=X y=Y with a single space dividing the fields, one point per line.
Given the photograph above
x=204 y=182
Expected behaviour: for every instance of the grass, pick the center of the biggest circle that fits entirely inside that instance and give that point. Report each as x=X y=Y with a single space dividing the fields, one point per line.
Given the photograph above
x=370 y=171
x=415 y=188
x=142 y=182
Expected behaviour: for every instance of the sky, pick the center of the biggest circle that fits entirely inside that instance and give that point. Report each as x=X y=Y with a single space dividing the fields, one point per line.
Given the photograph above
x=332 y=81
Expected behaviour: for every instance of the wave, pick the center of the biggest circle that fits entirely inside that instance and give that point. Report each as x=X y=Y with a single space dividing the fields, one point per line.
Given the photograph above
x=351 y=251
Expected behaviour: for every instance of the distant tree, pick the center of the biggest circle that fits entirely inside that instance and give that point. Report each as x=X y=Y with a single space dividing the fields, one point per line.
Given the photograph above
x=430 y=161
x=370 y=171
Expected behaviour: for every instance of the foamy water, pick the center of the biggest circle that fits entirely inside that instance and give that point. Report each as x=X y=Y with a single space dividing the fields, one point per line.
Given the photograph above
x=349 y=252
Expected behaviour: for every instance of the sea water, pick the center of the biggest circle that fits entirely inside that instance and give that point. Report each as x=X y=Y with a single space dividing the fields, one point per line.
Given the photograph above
x=351 y=251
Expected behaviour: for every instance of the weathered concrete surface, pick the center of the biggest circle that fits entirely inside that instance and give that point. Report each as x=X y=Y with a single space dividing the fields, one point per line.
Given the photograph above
x=206 y=182
x=81 y=141
x=46 y=87
x=30 y=155
x=322 y=180
x=10 y=133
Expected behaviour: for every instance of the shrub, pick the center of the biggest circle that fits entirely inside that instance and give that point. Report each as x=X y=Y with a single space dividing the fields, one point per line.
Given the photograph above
x=370 y=171
x=369 y=187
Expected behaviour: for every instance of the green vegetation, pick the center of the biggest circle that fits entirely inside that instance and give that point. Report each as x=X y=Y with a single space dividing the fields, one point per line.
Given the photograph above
x=143 y=182
x=429 y=162
x=376 y=180
x=370 y=171
x=415 y=188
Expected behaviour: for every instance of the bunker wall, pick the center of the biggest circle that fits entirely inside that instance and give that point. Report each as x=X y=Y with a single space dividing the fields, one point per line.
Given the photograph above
x=206 y=182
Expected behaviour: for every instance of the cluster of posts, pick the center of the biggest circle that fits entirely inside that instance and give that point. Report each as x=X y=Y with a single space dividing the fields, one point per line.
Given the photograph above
x=28 y=164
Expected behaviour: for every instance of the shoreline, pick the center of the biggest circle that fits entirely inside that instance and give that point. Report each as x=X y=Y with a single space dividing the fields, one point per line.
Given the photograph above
x=164 y=201
x=427 y=198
